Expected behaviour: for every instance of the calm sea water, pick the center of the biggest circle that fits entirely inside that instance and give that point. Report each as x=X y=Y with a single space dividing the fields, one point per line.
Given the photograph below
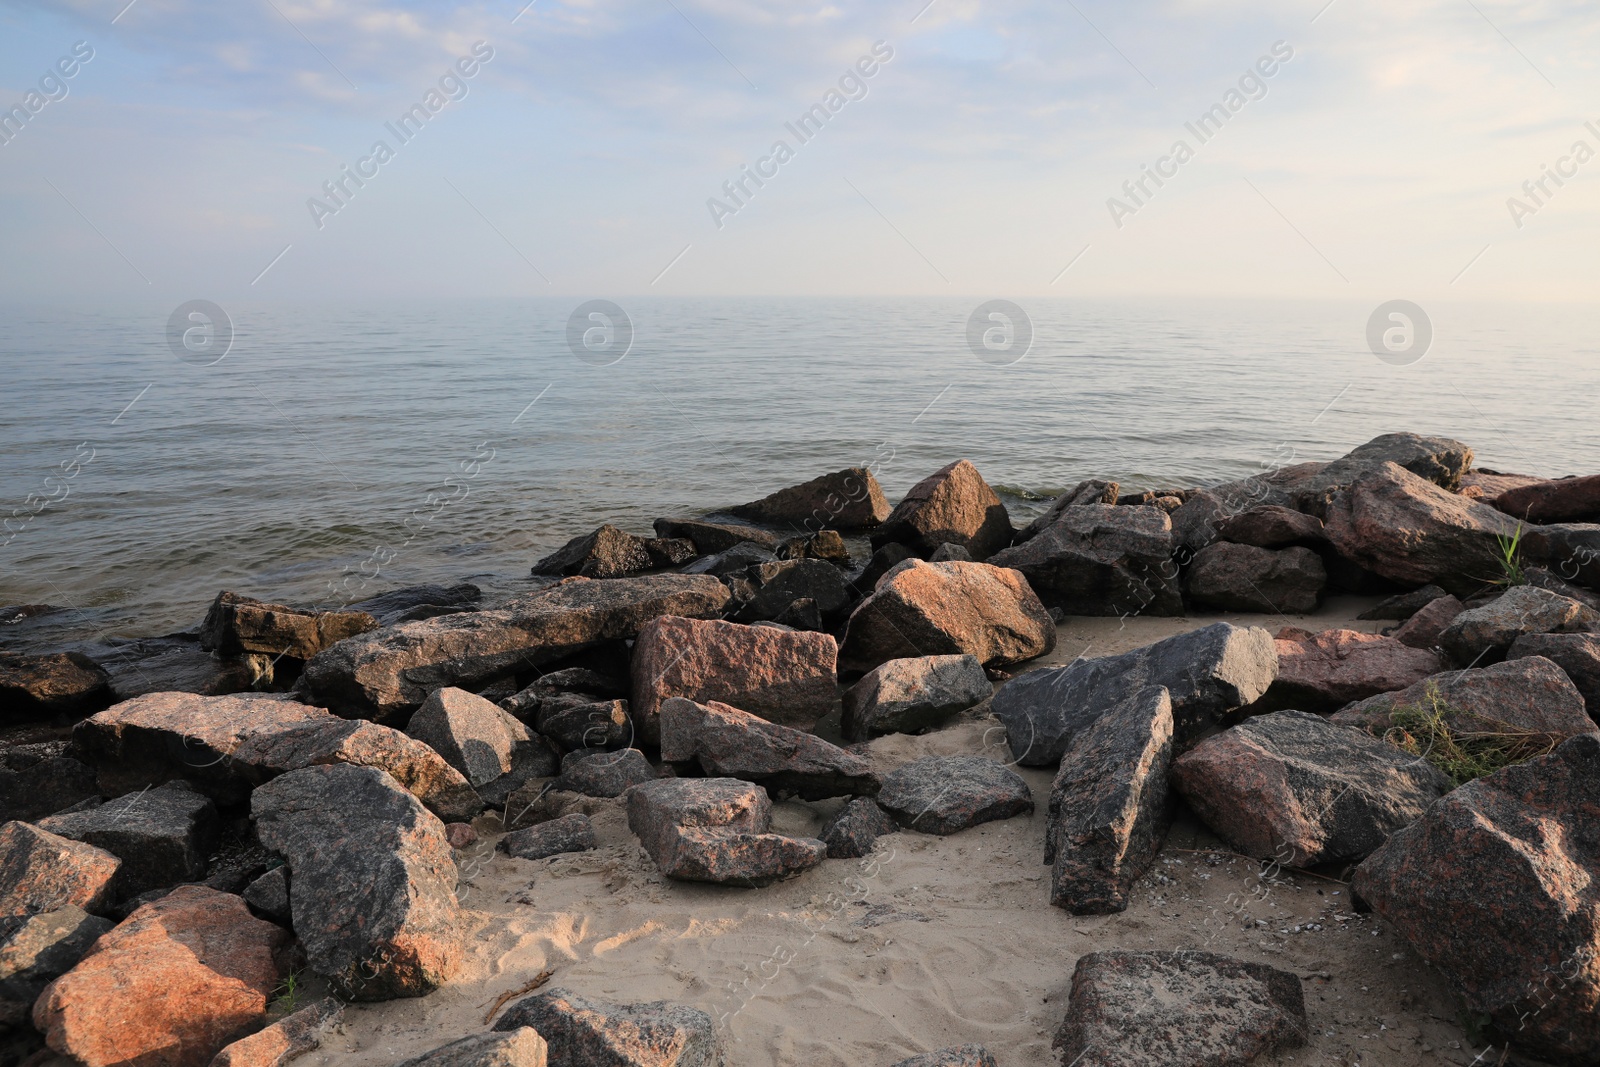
x=461 y=440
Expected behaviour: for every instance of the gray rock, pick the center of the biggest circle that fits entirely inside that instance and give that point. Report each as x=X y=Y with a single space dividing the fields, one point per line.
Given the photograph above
x=826 y=545
x=909 y=696
x=570 y=833
x=37 y=949
x=1234 y=577
x=163 y=836
x=947 y=551
x=713 y=537
x=1578 y=656
x=962 y=1056
x=716 y=830
x=415 y=602
x=608 y=552
x=371 y=880
x=1092 y=491
x=269 y=894
x=1271 y=526
x=883 y=561
x=1100 y=559
x=40 y=779
x=732 y=562
x=473 y=735
x=238 y=625
x=522 y=1047
x=781 y=584
x=1427 y=626
x=953 y=505
x=1157 y=1009
x=729 y=743
x=1295 y=788
x=1207 y=672
x=603 y=774
x=1403 y=605
x=290 y=1037
x=947 y=794
x=844 y=500
x=47 y=686
x=574 y=723
x=855 y=828
x=1109 y=806
x=1485 y=633
x=1438 y=460
x=591 y=1033
x=1529 y=695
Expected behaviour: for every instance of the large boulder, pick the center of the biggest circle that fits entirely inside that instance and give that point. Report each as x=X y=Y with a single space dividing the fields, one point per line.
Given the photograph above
x=941 y=609
x=1578 y=656
x=1109 y=808
x=1207 y=673
x=1327 y=669
x=162 y=836
x=1427 y=625
x=1570 y=550
x=60 y=684
x=953 y=505
x=781 y=675
x=41 y=872
x=1158 y=1009
x=610 y=552
x=473 y=735
x=1272 y=526
x=729 y=743
x=1089 y=491
x=521 y=1047
x=1558 y=500
x=1438 y=461
x=1495 y=888
x=1295 y=788
x=37 y=949
x=389 y=672
x=908 y=696
x=1481 y=483
x=592 y=1033
x=1485 y=633
x=236 y=625
x=371 y=879
x=1234 y=577
x=710 y=538
x=290 y=1037
x=716 y=830
x=171 y=664
x=173 y=984
x=947 y=794
x=844 y=500
x=1102 y=559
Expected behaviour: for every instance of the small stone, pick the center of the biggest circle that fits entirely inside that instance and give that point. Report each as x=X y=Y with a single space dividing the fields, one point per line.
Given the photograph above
x=461 y=835
x=856 y=827
x=964 y=1056
x=570 y=833
x=947 y=794
x=269 y=894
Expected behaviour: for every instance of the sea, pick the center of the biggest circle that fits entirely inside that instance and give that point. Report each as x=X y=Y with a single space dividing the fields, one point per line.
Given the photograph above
x=329 y=452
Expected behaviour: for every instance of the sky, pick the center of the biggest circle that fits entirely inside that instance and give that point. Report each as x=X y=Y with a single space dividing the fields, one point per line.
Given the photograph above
x=987 y=153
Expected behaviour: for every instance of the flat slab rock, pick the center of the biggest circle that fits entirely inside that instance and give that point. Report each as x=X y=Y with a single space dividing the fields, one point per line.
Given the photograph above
x=713 y=537
x=570 y=833
x=522 y=1047
x=1100 y=559
x=1557 y=500
x=1324 y=671
x=1529 y=694
x=947 y=794
x=592 y=1033
x=729 y=743
x=163 y=836
x=290 y=1037
x=953 y=505
x=41 y=872
x=1487 y=631
x=715 y=830
x=237 y=624
x=1494 y=887
x=1157 y=1009
x=908 y=696
x=1295 y=788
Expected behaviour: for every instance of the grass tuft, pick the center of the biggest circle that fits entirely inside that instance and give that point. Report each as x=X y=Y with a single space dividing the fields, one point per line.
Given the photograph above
x=1511 y=570
x=1424 y=729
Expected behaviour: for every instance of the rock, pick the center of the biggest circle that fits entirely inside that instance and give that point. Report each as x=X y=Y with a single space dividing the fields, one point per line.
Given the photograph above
x=1569 y=550
x=172 y=664
x=845 y=500
x=1578 y=656
x=964 y=1056
x=522 y=1047
x=187 y=975
x=729 y=743
x=1324 y=671
x=669 y=551
x=608 y=552
x=1295 y=788
x=953 y=505
x=909 y=696
x=415 y=602
x=389 y=672
x=855 y=828
x=1487 y=632
x=780 y=584
x=592 y=684
x=37 y=949
x=236 y=625
x=604 y=774
x=1238 y=577
x=1109 y=807
x=162 y=836
x=62 y=684
x=947 y=794
x=715 y=830
x=947 y=552
x=1194 y=522
x=1494 y=888
x=41 y=872
x=1559 y=500
x=1207 y=672
x=733 y=562
x=1099 y=559
x=1155 y=1009
x=712 y=537
x=1271 y=526
x=800 y=615
x=1484 y=484
x=1404 y=605
x=1546 y=579
x=825 y=545
x=474 y=736
x=371 y=879
x=38 y=780
x=600 y=724
x=1424 y=629
x=1438 y=461
x=882 y=562
x=269 y=894
x=591 y=1033
x=1092 y=491
x=570 y=833
x=784 y=677
x=1411 y=531
x=289 y=1038
x=1529 y=695
x=937 y=609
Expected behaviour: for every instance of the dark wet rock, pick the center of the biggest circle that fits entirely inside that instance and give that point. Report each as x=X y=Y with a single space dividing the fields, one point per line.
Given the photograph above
x=1578 y=656
x=782 y=676
x=1530 y=695
x=1325 y=670
x=371 y=879
x=391 y=671
x=1484 y=634
x=1271 y=526
x=947 y=794
x=1424 y=629
x=947 y=552
x=883 y=561
x=1207 y=672
x=570 y=833
x=1157 y=1009
x=962 y=1056
x=604 y=774
x=716 y=830
x=845 y=500
x=595 y=724
x=1494 y=888
x=1295 y=788
x=1109 y=805
x=940 y=609
x=1099 y=559
x=912 y=695
x=825 y=545
x=732 y=563
x=1558 y=500
x=172 y=664
x=37 y=780
x=713 y=537
x=415 y=602
x=1403 y=605
x=522 y=1047
x=236 y=625
x=287 y=1039
x=608 y=552
x=1091 y=491
x=1238 y=577
x=60 y=684
x=37 y=949
x=473 y=735
x=592 y=1033
x=162 y=836
x=729 y=743
x=1570 y=551
x=269 y=894
x=781 y=584
x=40 y=872
x=953 y=505
x=668 y=551
x=855 y=828
x=800 y=615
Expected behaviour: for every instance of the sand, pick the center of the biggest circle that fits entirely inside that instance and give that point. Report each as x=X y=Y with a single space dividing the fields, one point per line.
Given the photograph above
x=931 y=942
